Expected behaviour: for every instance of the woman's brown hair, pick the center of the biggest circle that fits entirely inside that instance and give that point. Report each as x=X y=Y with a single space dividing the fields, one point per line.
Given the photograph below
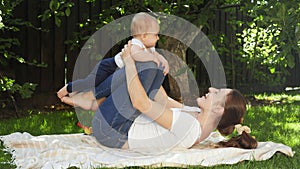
x=234 y=111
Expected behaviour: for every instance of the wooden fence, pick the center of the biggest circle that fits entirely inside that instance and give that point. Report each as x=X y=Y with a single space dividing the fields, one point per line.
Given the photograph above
x=49 y=46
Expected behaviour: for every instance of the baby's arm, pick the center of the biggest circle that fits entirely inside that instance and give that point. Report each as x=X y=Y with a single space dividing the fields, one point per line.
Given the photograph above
x=140 y=55
x=164 y=62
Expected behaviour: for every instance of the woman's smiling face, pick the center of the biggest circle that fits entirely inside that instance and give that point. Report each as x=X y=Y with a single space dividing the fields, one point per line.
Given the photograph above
x=213 y=97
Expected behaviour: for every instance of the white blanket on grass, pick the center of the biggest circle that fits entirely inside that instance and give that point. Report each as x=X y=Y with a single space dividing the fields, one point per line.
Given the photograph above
x=66 y=150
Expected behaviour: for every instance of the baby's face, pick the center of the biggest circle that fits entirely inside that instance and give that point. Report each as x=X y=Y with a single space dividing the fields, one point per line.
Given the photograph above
x=151 y=37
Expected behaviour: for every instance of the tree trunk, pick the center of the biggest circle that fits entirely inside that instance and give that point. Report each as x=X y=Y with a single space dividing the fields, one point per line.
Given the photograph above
x=179 y=77
x=176 y=36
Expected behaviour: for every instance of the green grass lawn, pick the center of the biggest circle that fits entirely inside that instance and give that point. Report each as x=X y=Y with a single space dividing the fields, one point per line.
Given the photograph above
x=278 y=122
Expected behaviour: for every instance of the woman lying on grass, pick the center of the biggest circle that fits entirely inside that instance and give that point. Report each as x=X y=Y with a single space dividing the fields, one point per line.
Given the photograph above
x=139 y=115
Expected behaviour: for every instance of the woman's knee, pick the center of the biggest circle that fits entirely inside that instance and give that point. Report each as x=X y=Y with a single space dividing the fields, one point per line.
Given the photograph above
x=147 y=71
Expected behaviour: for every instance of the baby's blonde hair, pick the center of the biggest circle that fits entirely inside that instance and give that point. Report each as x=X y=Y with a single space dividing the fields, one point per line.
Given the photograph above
x=142 y=23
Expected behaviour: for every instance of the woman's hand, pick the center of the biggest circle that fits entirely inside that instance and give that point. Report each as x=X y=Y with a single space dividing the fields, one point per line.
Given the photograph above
x=126 y=54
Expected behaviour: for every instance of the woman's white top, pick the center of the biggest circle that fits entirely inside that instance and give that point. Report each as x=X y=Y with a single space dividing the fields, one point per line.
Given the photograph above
x=146 y=135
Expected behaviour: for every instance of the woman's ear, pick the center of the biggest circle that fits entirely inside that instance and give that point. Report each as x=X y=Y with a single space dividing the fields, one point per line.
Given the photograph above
x=218 y=109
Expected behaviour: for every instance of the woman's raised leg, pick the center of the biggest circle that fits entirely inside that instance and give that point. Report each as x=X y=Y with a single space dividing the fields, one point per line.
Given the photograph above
x=116 y=114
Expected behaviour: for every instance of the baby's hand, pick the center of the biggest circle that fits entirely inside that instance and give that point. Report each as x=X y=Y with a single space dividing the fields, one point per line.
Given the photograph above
x=166 y=67
x=164 y=62
x=62 y=92
x=156 y=60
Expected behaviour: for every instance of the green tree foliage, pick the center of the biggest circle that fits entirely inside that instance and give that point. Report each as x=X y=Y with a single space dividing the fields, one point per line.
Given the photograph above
x=266 y=43
x=270 y=39
x=57 y=9
x=10 y=25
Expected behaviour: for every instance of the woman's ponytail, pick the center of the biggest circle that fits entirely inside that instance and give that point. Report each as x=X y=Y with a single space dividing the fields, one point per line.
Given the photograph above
x=234 y=111
x=244 y=140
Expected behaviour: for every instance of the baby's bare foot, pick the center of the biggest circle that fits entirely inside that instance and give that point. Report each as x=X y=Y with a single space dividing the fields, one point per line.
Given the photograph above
x=62 y=92
x=97 y=103
x=84 y=100
x=72 y=94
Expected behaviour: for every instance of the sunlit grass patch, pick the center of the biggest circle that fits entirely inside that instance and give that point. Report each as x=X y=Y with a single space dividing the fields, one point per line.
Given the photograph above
x=278 y=121
x=279 y=98
x=42 y=123
x=292 y=126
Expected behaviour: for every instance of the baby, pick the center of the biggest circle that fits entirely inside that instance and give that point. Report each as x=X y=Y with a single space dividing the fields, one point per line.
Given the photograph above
x=144 y=29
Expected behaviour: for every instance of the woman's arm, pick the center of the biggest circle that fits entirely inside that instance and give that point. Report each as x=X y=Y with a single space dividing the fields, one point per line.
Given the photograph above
x=162 y=96
x=156 y=111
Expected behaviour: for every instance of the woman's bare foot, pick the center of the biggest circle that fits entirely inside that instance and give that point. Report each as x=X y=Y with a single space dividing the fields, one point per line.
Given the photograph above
x=85 y=100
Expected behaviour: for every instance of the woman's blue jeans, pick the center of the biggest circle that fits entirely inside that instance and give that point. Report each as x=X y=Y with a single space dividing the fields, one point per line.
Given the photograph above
x=116 y=114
